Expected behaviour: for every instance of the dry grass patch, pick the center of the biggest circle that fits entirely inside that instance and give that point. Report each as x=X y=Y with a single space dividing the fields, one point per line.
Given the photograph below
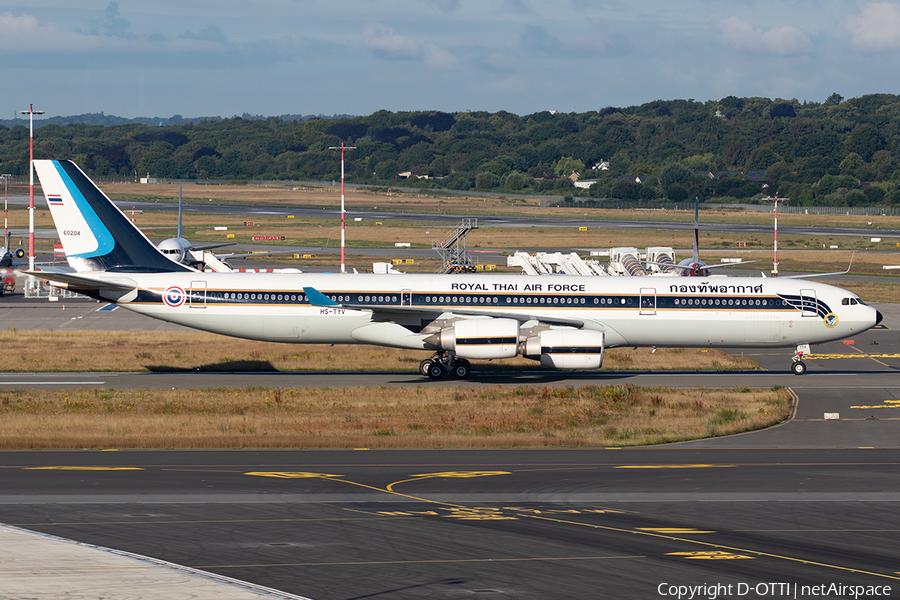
x=37 y=350
x=871 y=292
x=440 y=201
x=363 y=417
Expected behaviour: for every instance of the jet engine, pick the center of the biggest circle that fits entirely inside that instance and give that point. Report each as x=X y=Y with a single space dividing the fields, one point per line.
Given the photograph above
x=566 y=348
x=479 y=338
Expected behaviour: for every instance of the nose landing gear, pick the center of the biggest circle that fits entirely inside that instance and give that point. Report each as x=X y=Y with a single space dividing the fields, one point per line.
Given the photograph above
x=799 y=367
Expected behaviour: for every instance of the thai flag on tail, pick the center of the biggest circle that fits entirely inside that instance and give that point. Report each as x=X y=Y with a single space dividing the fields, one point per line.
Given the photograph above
x=54 y=199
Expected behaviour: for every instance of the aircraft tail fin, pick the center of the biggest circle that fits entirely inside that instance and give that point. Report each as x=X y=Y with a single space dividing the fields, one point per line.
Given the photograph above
x=95 y=234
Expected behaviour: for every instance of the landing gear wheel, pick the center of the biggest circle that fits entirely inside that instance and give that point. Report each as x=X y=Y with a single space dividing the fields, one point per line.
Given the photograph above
x=424 y=366
x=798 y=368
x=436 y=370
x=461 y=369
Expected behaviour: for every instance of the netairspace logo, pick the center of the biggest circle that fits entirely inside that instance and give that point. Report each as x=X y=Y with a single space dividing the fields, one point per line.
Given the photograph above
x=712 y=591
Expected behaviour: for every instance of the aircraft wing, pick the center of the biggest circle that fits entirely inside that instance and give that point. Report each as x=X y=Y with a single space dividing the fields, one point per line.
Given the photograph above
x=211 y=246
x=81 y=281
x=317 y=298
x=808 y=275
x=247 y=254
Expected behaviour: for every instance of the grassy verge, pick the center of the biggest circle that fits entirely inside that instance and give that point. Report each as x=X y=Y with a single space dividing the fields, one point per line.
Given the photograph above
x=172 y=351
x=424 y=416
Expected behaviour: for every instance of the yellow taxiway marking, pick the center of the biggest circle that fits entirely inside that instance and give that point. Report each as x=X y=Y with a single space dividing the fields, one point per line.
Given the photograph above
x=292 y=475
x=712 y=555
x=672 y=466
x=463 y=474
x=450 y=474
x=82 y=469
x=308 y=475
x=673 y=530
x=873 y=356
x=718 y=547
x=887 y=404
x=480 y=514
x=465 y=512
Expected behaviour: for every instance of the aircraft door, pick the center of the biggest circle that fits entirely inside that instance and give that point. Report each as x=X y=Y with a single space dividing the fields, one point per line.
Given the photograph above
x=808 y=303
x=648 y=301
x=197 y=294
x=405 y=297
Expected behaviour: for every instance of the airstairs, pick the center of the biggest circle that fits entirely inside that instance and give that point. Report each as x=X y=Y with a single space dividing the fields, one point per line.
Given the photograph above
x=452 y=249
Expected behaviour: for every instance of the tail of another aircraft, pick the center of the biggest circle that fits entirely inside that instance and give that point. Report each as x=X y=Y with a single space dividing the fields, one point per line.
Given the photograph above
x=95 y=234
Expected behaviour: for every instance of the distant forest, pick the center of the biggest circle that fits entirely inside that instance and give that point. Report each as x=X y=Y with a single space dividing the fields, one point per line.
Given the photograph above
x=838 y=152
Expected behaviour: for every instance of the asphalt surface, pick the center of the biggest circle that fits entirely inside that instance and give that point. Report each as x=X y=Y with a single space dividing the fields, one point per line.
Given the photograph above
x=565 y=523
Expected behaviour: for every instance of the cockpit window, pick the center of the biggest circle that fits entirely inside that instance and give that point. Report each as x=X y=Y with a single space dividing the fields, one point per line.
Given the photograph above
x=852 y=301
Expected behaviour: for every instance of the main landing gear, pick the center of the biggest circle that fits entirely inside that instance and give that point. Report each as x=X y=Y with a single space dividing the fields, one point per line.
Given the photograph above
x=799 y=367
x=445 y=363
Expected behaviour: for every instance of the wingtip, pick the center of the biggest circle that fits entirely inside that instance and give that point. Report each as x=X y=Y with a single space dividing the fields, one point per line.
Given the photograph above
x=317 y=298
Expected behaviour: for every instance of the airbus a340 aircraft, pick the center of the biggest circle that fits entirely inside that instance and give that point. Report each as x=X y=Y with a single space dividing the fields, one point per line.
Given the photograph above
x=565 y=322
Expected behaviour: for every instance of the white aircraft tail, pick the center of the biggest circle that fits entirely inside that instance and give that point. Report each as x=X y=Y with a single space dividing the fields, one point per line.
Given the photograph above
x=95 y=234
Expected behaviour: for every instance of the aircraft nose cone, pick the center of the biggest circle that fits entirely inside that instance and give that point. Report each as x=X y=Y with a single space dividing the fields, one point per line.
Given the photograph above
x=878 y=317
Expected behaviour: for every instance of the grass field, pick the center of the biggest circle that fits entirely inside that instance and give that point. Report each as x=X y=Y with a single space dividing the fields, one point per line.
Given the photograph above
x=186 y=351
x=424 y=416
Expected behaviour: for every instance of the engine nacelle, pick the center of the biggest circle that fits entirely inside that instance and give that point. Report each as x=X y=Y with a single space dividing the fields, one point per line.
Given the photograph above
x=481 y=338
x=566 y=348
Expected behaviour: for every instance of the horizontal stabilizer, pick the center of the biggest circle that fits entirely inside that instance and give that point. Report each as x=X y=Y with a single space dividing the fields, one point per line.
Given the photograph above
x=77 y=281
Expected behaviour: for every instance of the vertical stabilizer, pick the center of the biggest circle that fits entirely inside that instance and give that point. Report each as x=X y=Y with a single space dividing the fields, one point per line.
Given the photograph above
x=95 y=234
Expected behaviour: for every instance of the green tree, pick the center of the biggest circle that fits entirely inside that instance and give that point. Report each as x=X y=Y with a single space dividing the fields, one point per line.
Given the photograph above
x=856 y=198
x=568 y=165
x=676 y=193
x=627 y=190
x=675 y=173
x=515 y=181
x=829 y=184
x=875 y=194
x=851 y=164
x=764 y=157
x=486 y=181
x=865 y=140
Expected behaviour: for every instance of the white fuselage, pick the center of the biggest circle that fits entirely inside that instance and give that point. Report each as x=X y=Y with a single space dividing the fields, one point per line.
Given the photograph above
x=631 y=311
